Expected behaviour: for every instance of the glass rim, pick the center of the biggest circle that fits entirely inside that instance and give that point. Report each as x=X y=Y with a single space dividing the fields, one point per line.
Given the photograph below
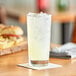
x=39 y=15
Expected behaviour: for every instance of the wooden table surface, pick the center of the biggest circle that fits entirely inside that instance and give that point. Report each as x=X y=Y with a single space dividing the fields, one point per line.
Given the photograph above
x=68 y=16
x=64 y=17
x=57 y=17
x=8 y=66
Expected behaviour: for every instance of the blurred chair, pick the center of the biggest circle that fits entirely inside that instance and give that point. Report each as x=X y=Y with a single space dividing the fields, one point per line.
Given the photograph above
x=74 y=32
x=2 y=15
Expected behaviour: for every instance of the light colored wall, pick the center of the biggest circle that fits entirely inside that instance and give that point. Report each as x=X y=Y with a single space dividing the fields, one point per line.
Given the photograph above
x=30 y=5
x=56 y=35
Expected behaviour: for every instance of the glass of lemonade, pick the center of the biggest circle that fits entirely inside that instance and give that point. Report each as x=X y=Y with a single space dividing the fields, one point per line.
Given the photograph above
x=39 y=31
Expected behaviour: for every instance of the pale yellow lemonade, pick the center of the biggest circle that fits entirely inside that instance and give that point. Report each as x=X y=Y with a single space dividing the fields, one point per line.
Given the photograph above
x=39 y=31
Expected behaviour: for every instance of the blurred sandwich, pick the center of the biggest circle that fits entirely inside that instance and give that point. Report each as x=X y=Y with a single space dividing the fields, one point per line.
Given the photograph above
x=10 y=36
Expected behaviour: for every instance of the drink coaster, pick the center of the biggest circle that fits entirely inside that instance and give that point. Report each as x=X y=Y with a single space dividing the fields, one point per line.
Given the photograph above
x=50 y=65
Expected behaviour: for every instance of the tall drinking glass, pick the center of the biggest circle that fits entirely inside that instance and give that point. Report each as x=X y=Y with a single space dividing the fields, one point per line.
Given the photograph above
x=39 y=31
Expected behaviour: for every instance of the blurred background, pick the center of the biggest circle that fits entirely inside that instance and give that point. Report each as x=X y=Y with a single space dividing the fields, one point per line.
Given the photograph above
x=13 y=12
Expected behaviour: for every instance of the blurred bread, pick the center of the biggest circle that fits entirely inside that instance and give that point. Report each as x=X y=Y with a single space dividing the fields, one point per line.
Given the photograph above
x=11 y=30
x=10 y=35
x=5 y=43
x=1 y=27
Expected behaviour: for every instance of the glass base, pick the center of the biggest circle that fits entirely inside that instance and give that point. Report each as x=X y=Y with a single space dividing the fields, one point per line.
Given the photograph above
x=39 y=63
